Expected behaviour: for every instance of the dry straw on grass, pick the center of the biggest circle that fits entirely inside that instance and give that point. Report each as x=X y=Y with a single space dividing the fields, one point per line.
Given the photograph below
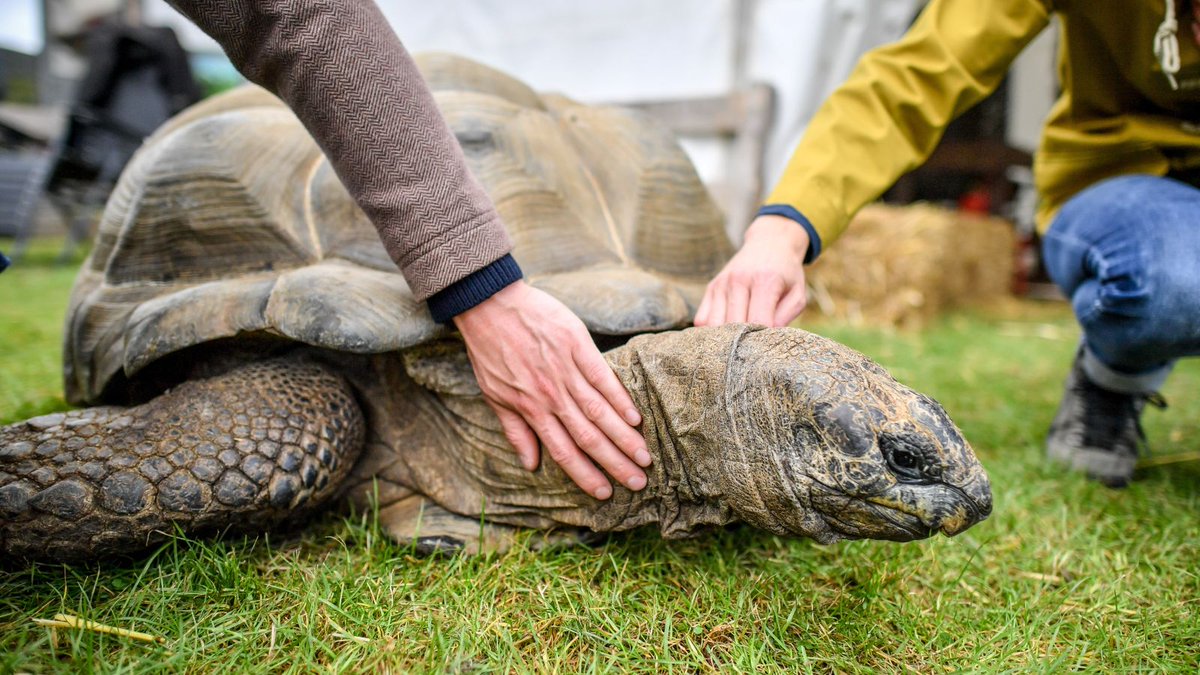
x=903 y=265
x=71 y=621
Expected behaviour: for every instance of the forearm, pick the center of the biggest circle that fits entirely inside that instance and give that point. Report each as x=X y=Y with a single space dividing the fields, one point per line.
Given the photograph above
x=338 y=65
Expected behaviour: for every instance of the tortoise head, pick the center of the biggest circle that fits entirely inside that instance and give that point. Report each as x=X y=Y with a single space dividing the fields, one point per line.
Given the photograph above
x=826 y=444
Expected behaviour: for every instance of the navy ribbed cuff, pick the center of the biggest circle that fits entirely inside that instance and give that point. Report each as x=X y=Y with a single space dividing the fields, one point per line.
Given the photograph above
x=814 y=239
x=473 y=289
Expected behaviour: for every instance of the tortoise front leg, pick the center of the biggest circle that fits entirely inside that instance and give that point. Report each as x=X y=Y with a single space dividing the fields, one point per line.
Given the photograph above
x=243 y=450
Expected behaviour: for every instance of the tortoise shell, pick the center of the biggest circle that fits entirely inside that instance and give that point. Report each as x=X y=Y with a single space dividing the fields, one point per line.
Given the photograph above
x=230 y=222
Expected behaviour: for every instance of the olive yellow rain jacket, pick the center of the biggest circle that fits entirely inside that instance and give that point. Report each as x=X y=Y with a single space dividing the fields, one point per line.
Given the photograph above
x=1130 y=103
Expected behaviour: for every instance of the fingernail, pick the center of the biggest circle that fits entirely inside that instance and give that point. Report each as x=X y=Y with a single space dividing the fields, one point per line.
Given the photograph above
x=633 y=416
x=636 y=483
x=642 y=457
x=603 y=492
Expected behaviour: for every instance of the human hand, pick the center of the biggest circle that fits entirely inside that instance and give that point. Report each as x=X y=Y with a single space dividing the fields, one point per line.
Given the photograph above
x=764 y=282
x=539 y=370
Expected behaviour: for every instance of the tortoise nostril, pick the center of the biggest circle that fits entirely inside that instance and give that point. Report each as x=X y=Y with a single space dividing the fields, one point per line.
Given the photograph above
x=984 y=507
x=979 y=494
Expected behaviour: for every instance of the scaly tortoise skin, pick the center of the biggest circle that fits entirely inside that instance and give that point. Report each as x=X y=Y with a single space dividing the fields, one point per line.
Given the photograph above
x=257 y=354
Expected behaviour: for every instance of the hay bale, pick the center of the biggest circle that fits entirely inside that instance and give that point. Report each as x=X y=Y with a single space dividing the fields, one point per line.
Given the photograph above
x=903 y=265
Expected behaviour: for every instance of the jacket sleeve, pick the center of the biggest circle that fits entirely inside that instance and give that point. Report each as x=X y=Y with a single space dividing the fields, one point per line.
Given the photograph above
x=338 y=65
x=889 y=115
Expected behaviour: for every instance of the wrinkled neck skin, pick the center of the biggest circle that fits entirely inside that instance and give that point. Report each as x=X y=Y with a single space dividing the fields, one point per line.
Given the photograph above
x=716 y=425
x=432 y=432
x=677 y=381
x=714 y=422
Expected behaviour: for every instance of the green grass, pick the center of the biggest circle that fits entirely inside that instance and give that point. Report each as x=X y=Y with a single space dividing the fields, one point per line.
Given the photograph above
x=33 y=302
x=1066 y=575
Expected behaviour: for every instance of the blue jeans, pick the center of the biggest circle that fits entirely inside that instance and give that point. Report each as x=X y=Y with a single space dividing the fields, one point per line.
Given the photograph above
x=1127 y=253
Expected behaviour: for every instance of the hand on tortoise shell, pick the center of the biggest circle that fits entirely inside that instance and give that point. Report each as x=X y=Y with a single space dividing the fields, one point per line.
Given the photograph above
x=764 y=282
x=541 y=373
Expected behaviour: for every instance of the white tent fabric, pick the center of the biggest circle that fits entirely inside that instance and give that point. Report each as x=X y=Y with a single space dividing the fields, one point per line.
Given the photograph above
x=623 y=50
x=807 y=48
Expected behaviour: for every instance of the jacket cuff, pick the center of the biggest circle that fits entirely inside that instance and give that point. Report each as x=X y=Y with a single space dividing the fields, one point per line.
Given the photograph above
x=814 y=239
x=473 y=289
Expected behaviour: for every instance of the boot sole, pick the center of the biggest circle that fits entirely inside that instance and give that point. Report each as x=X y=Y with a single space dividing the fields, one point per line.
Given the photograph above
x=1104 y=466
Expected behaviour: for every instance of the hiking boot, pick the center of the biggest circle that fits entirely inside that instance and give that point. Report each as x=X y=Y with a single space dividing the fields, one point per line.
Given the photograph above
x=1098 y=431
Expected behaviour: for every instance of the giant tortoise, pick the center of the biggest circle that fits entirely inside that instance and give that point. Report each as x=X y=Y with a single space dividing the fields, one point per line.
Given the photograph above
x=254 y=353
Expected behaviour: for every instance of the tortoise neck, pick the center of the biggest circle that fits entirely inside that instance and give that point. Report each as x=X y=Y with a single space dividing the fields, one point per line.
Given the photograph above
x=677 y=381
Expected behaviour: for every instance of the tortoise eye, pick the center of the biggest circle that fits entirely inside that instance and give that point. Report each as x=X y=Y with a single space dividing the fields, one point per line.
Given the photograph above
x=904 y=458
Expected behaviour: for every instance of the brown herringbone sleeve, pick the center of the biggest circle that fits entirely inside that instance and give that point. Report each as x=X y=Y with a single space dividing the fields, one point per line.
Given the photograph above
x=342 y=70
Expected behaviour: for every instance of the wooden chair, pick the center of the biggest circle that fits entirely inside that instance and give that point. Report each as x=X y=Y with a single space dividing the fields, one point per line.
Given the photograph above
x=744 y=117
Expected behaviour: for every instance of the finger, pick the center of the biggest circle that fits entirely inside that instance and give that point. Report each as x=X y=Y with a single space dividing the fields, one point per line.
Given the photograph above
x=592 y=441
x=519 y=434
x=598 y=411
x=600 y=375
x=738 y=302
x=705 y=306
x=574 y=463
x=764 y=298
x=791 y=305
x=716 y=312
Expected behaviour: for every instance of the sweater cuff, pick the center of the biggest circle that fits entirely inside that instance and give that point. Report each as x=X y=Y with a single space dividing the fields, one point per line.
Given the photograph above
x=789 y=212
x=473 y=289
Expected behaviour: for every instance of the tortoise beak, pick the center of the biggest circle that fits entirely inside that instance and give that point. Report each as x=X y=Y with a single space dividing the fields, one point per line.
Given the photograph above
x=975 y=506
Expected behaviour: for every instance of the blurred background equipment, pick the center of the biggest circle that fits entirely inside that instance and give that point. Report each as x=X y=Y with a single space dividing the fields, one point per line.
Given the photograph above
x=135 y=77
